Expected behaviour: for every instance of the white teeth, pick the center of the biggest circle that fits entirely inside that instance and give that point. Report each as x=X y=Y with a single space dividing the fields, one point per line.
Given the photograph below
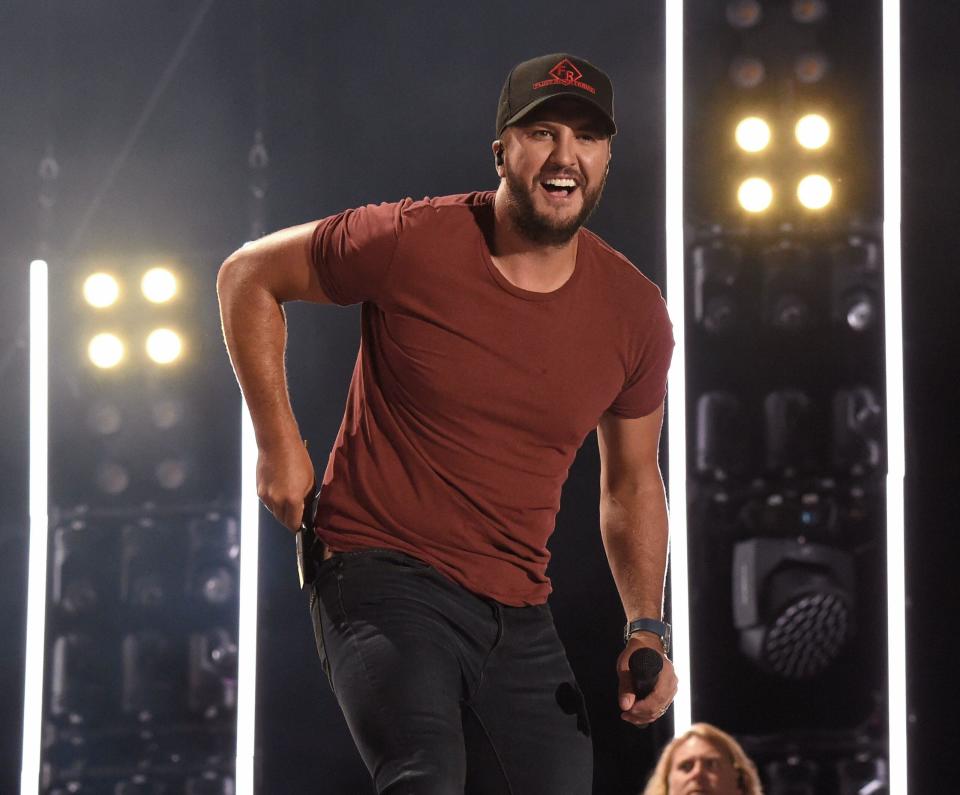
x=562 y=183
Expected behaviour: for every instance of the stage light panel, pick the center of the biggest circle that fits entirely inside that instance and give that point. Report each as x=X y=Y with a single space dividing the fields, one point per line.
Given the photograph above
x=159 y=285
x=164 y=346
x=106 y=350
x=101 y=290
x=814 y=191
x=812 y=131
x=752 y=134
x=755 y=195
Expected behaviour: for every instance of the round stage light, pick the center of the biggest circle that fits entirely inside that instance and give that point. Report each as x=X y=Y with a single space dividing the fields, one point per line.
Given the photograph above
x=101 y=290
x=743 y=13
x=814 y=192
x=167 y=413
x=104 y=418
x=112 y=478
x=164 y=345
x=755 y=195
x=811 y=67
x=753 y=134
x=171 y=473
x=808 y=11
x=159 y=285
x=747 y=72
x=106 y=350
x=812 y=131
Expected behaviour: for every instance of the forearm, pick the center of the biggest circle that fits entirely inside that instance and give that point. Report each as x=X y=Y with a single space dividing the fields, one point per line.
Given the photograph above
x=633 y=524
x=254 y=329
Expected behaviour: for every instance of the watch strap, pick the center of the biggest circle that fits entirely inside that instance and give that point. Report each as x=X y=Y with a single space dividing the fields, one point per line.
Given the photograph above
x=659 y=628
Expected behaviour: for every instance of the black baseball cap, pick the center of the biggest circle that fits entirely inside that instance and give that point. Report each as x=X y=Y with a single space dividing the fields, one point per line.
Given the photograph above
x=560 y=74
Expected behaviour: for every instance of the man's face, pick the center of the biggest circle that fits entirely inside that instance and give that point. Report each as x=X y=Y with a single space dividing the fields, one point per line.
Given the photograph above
x=555 y=165
x=699 y=768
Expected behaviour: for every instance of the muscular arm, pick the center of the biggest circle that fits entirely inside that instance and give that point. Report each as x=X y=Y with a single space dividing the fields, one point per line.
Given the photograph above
x=251 y=286
x=633 y=524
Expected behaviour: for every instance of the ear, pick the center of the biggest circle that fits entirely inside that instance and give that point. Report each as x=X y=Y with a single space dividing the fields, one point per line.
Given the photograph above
x=497 y=147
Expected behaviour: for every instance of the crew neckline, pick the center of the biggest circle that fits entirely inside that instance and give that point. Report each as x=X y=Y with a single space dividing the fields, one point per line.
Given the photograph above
x=520 y=292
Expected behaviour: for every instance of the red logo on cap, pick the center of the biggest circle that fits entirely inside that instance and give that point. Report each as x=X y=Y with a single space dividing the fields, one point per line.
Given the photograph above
x=565 y=74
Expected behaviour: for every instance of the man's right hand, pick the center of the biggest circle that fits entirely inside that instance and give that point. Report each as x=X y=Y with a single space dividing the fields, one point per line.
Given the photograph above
x=284 y=479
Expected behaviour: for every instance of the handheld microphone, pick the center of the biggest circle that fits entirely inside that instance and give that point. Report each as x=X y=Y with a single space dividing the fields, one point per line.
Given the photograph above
x=645 y=666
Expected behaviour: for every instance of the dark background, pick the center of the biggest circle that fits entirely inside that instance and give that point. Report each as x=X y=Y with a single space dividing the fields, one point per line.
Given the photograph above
x=373 y=101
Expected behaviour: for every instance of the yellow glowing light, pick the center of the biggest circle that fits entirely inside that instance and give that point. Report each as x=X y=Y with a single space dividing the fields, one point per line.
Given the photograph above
x=813 y=131
x=164 y=346
x=106 y=350
x=753 y=134
x=159 y=285
x=755 y=195
x=815 y=192
x=101 y=290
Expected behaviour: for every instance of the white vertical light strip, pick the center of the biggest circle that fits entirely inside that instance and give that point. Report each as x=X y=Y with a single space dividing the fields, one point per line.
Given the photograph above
x=896 y=457
x=676 y=396
x=247 y=634
x=38 y=502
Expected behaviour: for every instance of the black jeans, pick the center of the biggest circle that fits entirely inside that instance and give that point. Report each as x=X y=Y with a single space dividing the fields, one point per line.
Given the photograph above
x=446 y=692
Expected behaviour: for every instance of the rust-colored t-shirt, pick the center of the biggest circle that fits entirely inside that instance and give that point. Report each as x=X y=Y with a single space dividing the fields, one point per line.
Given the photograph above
x=470 y=396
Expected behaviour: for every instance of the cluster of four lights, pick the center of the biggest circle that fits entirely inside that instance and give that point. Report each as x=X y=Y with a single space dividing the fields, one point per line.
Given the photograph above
x=102 y=290
x=753 y=135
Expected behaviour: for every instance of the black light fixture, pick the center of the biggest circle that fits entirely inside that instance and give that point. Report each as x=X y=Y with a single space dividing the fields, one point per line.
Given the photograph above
x=857 y=431
x=790 y=293
x=790 y=431
x=792 y=604
x=792 y=776
x=721 y=434
x=716 y=268
x=81 y=576
x=213 y=672
x=211 y=783
x=80 y=679
x=150 y=571
x=152 y=675
x=865 y=774
x=214 y=559
x=855 y=287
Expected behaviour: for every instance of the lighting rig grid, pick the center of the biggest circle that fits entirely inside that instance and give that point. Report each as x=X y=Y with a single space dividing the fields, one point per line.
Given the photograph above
x=892 y=373
x=142 y=627
x=58 y=361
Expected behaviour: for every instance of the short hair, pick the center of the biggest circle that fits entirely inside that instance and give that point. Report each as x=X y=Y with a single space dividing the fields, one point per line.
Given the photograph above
x=746 y=770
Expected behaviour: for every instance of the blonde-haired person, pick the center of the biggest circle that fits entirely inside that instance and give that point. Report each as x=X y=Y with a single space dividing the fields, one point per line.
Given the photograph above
x=704 y=760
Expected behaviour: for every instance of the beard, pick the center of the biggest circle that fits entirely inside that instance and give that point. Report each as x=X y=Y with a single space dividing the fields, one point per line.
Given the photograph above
x=539 y=227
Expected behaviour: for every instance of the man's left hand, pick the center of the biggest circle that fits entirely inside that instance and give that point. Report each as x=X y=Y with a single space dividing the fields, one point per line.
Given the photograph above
x=649 y=709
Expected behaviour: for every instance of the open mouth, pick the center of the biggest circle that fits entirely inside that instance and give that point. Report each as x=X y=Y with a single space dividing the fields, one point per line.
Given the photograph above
x=559 y=187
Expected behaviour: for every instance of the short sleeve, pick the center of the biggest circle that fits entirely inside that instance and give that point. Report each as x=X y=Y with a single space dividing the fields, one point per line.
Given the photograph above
x=646 y=386
x=352 y=251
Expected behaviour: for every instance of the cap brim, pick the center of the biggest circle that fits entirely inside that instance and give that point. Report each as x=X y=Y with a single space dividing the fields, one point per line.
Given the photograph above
x=611 y=126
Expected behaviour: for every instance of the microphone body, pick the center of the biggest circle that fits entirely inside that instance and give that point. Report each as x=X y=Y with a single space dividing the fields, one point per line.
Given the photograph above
x=645 y=666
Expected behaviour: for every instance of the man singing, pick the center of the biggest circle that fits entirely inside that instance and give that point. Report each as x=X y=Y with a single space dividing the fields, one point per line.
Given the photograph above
x=496 y=333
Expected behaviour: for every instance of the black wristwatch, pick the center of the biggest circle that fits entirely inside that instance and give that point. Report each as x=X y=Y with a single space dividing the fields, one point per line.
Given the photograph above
x=659 y=628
